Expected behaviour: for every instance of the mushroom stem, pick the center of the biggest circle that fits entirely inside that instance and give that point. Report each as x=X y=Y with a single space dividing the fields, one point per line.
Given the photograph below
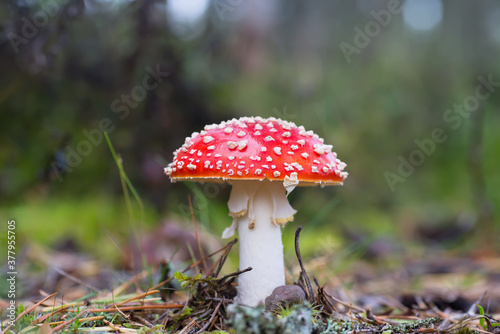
x=259 y=225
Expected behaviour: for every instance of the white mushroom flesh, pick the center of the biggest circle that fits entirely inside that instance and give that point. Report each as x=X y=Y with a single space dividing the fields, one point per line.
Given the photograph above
x=259 y=210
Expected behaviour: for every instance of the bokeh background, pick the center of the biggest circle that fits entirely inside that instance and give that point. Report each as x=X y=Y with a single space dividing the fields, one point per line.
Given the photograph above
x=407 y=92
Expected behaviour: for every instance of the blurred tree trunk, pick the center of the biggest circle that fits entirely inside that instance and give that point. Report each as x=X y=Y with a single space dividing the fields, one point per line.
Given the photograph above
x=485 y=226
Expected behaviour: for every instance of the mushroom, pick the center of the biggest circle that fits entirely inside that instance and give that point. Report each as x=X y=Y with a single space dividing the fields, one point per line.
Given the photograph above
x=263 y=160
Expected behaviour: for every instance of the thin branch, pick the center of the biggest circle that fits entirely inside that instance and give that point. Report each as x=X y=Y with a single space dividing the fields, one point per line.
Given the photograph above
x=303 y=270
x=75 y=279
x=236 y=273
x=211 y=319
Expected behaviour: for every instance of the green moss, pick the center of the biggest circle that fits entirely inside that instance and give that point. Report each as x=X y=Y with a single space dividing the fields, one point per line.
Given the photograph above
x=245 y=320
x=466 y=331
x=302 y=318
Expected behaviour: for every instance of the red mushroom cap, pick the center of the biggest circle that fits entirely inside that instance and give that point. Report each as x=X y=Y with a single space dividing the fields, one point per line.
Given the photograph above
x=253 y=148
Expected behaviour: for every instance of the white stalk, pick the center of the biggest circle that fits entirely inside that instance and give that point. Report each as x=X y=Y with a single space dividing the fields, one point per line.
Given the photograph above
x=259 y=209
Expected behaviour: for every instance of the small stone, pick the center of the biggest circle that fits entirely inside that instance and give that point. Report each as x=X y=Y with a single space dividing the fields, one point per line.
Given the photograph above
x=284 y=295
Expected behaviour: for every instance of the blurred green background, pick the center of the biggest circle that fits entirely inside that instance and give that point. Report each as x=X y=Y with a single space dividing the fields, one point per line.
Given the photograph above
x=399 y=88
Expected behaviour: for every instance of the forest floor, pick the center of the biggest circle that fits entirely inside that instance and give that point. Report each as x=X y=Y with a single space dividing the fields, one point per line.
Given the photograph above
x=444 y=293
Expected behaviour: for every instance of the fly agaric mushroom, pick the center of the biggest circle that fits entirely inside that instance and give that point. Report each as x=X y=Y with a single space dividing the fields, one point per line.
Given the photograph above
x=263 y=160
